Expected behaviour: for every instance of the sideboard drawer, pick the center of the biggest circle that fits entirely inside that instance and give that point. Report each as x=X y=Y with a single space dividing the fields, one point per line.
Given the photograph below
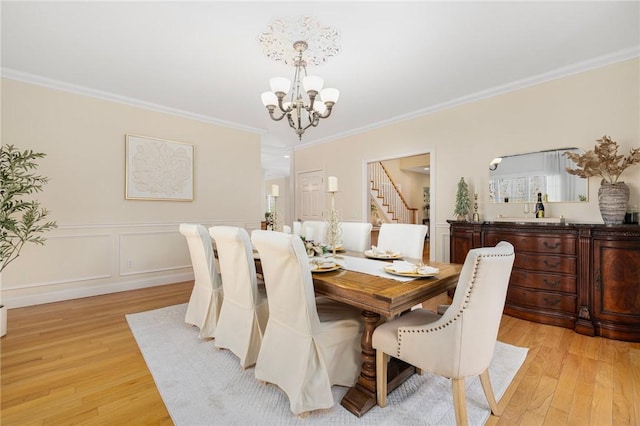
x=541 y=243
x=541 y=299
x=542 y=281
x=545 y=263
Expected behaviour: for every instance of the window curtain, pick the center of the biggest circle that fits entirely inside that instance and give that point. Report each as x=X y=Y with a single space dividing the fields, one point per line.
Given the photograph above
x=559 y=186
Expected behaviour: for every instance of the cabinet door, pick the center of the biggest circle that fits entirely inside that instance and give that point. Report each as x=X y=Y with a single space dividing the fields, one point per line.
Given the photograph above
x=464 y=236
x=616 y=282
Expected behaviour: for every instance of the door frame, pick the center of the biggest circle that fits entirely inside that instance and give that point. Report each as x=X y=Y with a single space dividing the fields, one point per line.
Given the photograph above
x=431 y=150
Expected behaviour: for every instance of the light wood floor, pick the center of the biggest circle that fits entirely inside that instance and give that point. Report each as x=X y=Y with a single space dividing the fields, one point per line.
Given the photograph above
x=76 y=362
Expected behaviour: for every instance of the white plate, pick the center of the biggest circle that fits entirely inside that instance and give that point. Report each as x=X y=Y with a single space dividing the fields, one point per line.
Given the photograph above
x=372 y=255
x=432 y=273
x=315 y=268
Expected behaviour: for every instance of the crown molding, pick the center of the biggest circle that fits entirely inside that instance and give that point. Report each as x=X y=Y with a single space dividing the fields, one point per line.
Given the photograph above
x=601 y=61
x=577 y=68
x=85 y=91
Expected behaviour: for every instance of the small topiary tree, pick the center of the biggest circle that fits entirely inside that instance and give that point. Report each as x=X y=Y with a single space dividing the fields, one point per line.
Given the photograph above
x=21 y=220
x=463 y=202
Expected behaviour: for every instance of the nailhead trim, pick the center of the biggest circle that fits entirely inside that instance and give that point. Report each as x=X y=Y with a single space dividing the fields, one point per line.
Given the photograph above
x=402 y=331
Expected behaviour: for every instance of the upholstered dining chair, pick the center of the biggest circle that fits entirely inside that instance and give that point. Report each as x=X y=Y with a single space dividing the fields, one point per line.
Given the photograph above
x=406 y=238
x=460 y=343
x=297 y=228
x=356 y=236
x=310 y=344
x=245 y=311
x=206 y=298
x=319 y=229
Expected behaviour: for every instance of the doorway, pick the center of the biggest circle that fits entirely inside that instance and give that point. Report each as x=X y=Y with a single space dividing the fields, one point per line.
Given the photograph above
x=413 y=175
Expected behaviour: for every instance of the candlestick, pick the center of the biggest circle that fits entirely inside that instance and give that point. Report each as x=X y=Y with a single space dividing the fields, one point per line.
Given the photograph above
x=476 y=216
x=334 y=227
x=276 y=225
x=332 y=184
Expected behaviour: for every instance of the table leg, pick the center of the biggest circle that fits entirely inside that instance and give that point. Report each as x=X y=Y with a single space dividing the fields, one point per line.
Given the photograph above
x=362 y=397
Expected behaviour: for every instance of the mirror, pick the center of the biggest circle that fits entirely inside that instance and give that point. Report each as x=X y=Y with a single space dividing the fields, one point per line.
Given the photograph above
x=519 y=178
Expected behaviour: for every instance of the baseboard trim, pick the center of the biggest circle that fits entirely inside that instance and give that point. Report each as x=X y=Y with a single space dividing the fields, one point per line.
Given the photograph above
x=52 y=295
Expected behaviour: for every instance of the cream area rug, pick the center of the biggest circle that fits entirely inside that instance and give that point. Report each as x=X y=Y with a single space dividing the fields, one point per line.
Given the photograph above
x=204 y=386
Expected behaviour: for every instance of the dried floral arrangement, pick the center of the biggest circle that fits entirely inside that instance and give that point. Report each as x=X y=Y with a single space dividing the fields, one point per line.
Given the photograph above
x=314 y=248
x=603 y=161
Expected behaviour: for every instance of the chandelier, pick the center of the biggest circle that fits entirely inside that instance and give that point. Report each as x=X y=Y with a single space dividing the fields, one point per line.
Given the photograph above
x=286 y=99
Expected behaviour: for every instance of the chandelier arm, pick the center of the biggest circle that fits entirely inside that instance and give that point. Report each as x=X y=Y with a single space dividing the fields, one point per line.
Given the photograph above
x=313 y=121
x=281 y=96
x=274 y=118
x=329 y=109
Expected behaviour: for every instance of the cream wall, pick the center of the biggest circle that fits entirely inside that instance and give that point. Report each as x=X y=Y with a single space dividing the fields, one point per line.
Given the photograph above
x=462 y=140
x=105 y=243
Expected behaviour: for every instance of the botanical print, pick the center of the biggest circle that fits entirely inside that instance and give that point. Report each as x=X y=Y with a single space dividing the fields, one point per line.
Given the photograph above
x=159 y=169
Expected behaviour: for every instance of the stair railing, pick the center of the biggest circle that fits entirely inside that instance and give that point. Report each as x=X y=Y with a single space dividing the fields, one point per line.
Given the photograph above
x=389 y=195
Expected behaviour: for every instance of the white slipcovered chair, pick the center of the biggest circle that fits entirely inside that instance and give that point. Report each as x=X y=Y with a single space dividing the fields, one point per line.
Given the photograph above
x=245 y=311
x=460 y=343
x=408 y=239
x=286 y=229
x=318 y=228
x=297 y=228
x=356 y=236
x=310 y=344
x=206 y=298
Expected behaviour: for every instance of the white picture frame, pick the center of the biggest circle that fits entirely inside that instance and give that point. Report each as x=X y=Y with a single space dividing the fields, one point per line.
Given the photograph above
x=158 y=169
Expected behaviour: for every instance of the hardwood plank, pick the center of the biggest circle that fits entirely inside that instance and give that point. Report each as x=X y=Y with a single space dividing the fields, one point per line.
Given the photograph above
x=76 y=362
x=556 y=417
x=623 y=402
x=602 y=406
x=580 y=412
x=563 y=397
x=634 y=374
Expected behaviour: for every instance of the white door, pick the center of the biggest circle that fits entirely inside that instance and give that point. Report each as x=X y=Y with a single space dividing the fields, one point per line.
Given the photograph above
x=310 y=188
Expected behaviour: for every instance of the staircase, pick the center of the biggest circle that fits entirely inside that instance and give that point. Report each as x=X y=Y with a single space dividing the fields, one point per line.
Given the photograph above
x=387 y=198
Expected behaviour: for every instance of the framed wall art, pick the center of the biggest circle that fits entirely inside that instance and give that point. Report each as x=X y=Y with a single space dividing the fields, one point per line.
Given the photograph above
x=158 y=169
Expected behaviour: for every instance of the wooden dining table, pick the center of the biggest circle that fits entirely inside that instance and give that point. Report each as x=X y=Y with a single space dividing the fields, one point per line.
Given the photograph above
x=380 y=298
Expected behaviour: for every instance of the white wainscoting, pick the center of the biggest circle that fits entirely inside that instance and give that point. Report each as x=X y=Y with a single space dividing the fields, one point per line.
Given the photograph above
x=88 y=260
x=442 y=235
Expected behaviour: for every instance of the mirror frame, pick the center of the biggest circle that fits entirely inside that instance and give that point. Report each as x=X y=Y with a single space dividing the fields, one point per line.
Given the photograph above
x=518 y=178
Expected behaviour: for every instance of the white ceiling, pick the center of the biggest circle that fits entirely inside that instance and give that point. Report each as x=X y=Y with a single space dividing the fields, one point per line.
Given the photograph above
x=398 y=59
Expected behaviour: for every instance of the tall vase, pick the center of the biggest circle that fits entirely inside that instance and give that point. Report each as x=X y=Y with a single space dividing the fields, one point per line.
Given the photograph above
x=613 y=199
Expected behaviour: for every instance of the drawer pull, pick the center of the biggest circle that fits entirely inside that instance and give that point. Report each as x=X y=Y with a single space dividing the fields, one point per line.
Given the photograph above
x=549 y=246
x=553 y=284
x=555 y=265
x=551 y=302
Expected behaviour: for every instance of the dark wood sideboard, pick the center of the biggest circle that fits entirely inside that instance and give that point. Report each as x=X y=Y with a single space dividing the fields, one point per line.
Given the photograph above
x=580 y=276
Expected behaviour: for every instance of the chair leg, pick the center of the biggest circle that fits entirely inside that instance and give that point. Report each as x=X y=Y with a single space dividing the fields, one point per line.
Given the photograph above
x=488 y=392
x=459 y=401
x=381 y=377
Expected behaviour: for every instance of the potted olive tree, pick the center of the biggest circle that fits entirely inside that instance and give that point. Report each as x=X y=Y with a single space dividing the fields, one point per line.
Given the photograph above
x=22 y=219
